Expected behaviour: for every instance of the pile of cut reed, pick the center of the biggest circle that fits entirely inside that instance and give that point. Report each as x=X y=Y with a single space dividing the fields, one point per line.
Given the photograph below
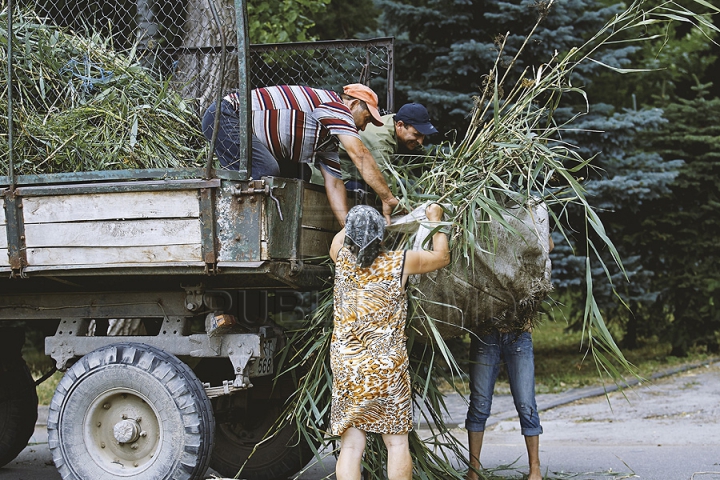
x=79 y=105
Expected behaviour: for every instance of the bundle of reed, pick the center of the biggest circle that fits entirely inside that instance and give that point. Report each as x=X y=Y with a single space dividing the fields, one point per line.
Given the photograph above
x=80 y=105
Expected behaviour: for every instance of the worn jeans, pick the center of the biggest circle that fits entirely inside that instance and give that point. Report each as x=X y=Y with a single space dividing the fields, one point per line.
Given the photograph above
x=227 y=147
x=486 y=355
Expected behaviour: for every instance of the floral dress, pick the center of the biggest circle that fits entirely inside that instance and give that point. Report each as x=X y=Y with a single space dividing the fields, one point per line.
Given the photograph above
x=368 y=354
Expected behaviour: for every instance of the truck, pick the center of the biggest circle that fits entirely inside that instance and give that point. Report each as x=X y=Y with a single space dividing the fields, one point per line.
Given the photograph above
x=203 y=260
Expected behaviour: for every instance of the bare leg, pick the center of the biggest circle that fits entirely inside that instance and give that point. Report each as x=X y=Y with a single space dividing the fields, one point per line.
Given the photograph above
x=399 y=465
x=533 y=450
x=475 y=441
x=352 y=446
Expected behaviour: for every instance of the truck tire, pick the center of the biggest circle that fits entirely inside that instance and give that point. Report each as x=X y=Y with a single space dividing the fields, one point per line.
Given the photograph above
x=275 y=459
x=130 y=411
x=243 y=420
x=18 y=408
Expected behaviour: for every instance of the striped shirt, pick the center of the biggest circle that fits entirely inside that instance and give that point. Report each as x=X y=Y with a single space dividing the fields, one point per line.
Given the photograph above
x=300 y=124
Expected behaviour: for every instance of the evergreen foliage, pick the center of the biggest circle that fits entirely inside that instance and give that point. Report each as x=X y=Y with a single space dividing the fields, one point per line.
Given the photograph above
x=635 y=186
x=680 y=236
x=673 y=55
x=444 y=48
x=342 y=19
x=624 y=185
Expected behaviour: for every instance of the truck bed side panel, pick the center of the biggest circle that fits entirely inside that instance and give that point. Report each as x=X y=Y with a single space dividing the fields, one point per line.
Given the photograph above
x=112 y=229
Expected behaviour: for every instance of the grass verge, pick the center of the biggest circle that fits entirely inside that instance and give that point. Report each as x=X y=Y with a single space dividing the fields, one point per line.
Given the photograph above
x=561 y=362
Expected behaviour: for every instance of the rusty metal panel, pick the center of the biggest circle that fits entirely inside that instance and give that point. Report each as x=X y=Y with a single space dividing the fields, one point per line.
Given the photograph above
x=15 y=230
x=240 y=224
x=4 y=258
x=207 y=228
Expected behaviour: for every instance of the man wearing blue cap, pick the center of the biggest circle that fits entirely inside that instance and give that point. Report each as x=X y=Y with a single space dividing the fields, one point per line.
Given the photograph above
x=403 y=132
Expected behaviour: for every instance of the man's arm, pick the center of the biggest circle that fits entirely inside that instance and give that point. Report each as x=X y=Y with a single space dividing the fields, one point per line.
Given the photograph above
x=368 y=168
x=337 y=195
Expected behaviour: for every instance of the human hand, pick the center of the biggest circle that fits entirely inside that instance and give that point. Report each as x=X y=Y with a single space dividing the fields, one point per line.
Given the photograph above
x=434 y=212
x=388 y=205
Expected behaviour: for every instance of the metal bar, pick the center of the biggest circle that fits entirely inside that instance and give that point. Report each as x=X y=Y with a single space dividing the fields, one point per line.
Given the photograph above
x=321 y=44
x=244 y=87
x=118 y=269
x=267 y=47
x=207 y=234
x=391 y=77
x=106 y=175
x=218 y=90
x=11 y=164
x=15 y=229
x=117 y=187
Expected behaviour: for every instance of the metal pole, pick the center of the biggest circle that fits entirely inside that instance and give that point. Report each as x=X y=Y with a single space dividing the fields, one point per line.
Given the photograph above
x=218 y=89
x=391 y=76
x=243 y=91
x=11 y=173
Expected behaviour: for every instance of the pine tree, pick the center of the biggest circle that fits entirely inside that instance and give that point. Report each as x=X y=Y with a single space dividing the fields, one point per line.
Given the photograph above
x=681 y=235
x=636 y=189
x=444 y=48
x=343 y=19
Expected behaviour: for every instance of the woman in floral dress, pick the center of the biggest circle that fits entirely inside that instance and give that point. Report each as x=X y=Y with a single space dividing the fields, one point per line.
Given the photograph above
x=368 y=355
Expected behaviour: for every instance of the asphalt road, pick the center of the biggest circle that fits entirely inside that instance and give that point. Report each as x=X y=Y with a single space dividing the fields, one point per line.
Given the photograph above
x=667 y=429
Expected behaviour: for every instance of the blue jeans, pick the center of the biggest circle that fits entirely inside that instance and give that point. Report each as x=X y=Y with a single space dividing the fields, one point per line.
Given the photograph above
x=227 y=147
x=486 y=354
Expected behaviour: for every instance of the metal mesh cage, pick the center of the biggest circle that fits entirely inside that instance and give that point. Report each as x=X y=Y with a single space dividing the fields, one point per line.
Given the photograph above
x=177 y=43
x=329 y=64
x=180 y=39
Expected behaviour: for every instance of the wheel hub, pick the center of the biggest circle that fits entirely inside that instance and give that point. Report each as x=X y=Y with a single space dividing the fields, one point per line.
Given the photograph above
x=126 y=431
x=122 y=432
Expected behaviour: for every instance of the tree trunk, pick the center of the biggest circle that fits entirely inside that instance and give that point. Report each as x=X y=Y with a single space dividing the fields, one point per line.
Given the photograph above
x=198 y=72
x=147 y=31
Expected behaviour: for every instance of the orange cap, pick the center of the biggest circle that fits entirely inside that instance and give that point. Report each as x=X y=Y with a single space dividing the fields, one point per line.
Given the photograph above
x=364 y=93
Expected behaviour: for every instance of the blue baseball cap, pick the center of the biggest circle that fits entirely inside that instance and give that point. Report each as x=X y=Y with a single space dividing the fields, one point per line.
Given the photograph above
x=416 y=115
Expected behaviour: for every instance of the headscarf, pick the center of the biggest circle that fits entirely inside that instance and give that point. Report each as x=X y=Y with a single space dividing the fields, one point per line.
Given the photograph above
x=364 y=230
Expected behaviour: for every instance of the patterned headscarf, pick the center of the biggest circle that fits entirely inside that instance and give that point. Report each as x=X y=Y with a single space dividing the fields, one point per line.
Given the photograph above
x=364 y=227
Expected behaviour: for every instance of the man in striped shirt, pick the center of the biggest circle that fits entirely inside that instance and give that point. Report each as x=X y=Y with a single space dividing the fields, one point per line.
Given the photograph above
x=296 y=125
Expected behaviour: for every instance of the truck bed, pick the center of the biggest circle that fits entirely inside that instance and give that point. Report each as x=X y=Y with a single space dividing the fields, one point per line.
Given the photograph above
x=153 y=229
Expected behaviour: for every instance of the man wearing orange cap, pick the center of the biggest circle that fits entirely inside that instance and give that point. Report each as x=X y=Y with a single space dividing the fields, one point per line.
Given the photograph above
x=296 y=125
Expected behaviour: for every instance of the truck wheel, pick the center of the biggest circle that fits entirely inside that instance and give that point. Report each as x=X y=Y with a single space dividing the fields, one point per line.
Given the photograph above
x=130 y=411
x=18 y=408
x=275 y=459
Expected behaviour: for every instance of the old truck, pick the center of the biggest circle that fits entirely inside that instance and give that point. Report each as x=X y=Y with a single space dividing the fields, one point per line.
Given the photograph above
x=185 y=252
